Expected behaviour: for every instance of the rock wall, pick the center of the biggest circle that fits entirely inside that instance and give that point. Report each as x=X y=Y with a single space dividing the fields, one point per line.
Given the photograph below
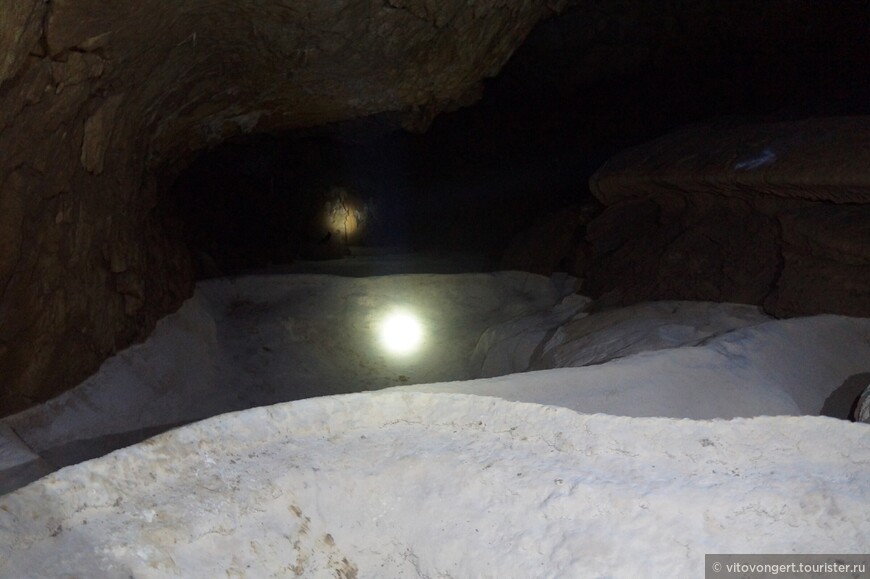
x=776 y=214
x=101 y=103
x=605 y=76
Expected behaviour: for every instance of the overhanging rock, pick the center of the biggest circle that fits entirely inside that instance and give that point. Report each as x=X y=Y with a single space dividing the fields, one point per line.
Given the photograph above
x=765 y=213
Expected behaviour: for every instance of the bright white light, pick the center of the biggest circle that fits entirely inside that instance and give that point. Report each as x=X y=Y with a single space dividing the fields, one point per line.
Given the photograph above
x=401 y=332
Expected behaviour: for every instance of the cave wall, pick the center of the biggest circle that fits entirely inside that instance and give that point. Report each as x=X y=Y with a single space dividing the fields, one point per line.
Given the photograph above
x=769 y=213
x=594 y=79
x=604 y=76
x=102 y=103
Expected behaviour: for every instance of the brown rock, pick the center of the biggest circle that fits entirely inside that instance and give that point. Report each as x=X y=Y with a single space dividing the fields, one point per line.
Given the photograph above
x=826 y=261
x=837 y=233
x=710 y=249
x=12 y=207
x=20 y=27
x=771 y=214
x=98 y=133
x=814 y=159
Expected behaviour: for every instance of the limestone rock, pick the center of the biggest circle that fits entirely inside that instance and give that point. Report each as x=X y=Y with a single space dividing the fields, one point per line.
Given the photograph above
x=815 y=159
x=20 y=27
x=826 y=261
x=19 y=465
x=708 y=248
x=768 y=213
x=98 y=132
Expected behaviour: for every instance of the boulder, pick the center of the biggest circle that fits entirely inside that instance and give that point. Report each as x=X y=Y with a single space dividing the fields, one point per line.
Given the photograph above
x=826 y=261
x=759 y=213
x=823 y=159
x=670 y=247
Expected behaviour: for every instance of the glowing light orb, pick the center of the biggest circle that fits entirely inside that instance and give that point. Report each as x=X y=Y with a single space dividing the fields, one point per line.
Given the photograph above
x=401 y=332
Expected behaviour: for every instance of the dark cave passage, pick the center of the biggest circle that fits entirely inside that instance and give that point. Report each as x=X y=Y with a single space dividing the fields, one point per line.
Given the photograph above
x=272 y=200
x=584 y=85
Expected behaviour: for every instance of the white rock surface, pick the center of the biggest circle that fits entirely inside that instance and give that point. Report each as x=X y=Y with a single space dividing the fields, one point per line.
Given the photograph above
x=568 y=336
x=264 y=339
x=421 y=485
x=645 y=327
x=19 y=465
x=13 y=451
x=862 y=408
x=259 y=340
x=512 y=346
x=781 y=367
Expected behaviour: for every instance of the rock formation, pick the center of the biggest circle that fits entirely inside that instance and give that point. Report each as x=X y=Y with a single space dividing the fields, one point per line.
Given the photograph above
x=101 y=104
x=764 y=213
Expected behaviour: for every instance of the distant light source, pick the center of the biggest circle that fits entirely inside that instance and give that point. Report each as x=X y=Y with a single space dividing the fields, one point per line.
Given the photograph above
x=401 y=332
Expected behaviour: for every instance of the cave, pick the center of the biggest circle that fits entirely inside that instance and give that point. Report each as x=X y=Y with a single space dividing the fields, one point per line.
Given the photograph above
x=625 y=161
x=126 y=170
x=476 y=178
